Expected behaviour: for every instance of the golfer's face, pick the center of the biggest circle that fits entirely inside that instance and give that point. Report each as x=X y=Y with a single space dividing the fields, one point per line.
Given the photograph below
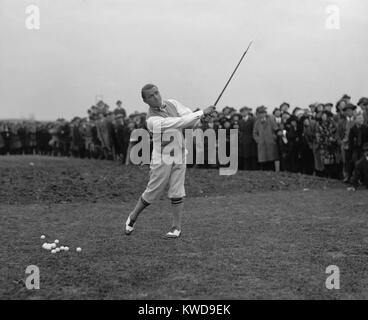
x=153 y=97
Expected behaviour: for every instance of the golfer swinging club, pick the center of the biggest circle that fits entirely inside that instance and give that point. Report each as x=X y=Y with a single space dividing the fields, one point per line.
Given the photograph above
x=167 y=115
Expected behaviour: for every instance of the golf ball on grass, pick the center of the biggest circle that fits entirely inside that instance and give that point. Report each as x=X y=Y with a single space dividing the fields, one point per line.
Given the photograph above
x=79 y=249
x=47 y=246
x=66 y=248
x=53 y=251
x=57 y=249
x=43 y=237
x=56 y=241
x=62 y=248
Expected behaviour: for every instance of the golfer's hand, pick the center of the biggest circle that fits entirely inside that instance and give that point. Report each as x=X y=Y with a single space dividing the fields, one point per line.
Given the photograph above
x=351 y=189
x=209 y=110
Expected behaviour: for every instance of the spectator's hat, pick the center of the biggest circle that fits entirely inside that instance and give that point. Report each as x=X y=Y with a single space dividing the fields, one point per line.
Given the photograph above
x=363 y=101
x=346 y=97
x=226 y=108
x=328 y=104
x=328 y=113
x=365 y=146
x=298 y=112
x=284 y=104
x=261 y=109
x=118 y=102
x=349 y=106
x=245 y=108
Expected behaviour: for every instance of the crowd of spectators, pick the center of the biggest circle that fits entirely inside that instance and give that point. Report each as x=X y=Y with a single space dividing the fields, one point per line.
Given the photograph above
x=323 y=139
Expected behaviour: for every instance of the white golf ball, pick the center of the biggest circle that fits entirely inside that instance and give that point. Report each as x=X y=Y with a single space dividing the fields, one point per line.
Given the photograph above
x=79 y=249
x=43 y=237
x=57 y=249
x=56 y=241
x=62 y=248
x=53 y=251
x=66 y=248
x=53 y=245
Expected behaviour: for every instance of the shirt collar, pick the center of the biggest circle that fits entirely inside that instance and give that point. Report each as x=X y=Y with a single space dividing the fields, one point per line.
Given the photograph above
x=163 y=106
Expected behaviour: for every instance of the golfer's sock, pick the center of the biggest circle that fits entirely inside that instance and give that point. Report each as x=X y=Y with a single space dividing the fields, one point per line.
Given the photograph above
x=139 y=207
x=177 y=205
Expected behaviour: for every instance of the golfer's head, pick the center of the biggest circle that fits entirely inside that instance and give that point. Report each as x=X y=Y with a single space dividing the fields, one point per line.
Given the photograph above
x=151 y=95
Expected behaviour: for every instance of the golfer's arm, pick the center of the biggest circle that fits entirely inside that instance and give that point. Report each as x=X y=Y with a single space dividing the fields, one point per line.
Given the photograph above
x=158 y=124
x=184 y=111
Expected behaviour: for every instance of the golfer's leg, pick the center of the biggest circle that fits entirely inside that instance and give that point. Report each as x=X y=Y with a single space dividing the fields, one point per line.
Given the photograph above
x=176 y=193
x=139 y=207
x=159 y=177
x=177 y=206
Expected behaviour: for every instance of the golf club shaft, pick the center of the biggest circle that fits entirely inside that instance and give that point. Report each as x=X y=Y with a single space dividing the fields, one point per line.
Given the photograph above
x=227 y=83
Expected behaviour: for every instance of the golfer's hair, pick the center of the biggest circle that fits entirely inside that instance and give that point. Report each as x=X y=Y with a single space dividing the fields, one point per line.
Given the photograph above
x=148 y=86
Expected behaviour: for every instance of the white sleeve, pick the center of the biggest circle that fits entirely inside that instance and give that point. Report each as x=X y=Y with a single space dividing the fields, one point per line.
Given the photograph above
x=182 y=110
x=159 y=124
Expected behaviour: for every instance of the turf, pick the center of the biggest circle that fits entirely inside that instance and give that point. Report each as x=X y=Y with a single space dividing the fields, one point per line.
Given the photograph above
x=259 y=245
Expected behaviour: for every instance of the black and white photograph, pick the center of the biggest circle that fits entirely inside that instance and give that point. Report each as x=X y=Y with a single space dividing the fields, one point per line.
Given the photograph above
x=193 y=151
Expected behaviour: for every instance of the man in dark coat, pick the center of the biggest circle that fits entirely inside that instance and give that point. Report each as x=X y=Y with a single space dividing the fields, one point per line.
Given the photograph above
x=342 y=135
x=358 y=136
x=122 y=137
x=361 y=170
x=363 y=104
x=247 y=144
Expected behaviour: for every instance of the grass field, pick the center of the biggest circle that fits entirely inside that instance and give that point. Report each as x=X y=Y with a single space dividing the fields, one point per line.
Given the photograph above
x=244 y=245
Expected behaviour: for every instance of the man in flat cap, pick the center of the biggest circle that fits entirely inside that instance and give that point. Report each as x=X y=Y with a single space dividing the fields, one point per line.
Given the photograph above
x=358 y=136
x=284 y=107
x=343 y=130
x=328 y=106
x=247 y=144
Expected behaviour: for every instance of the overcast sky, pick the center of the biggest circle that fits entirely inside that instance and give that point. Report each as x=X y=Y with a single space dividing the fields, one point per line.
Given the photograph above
x=188 y=48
